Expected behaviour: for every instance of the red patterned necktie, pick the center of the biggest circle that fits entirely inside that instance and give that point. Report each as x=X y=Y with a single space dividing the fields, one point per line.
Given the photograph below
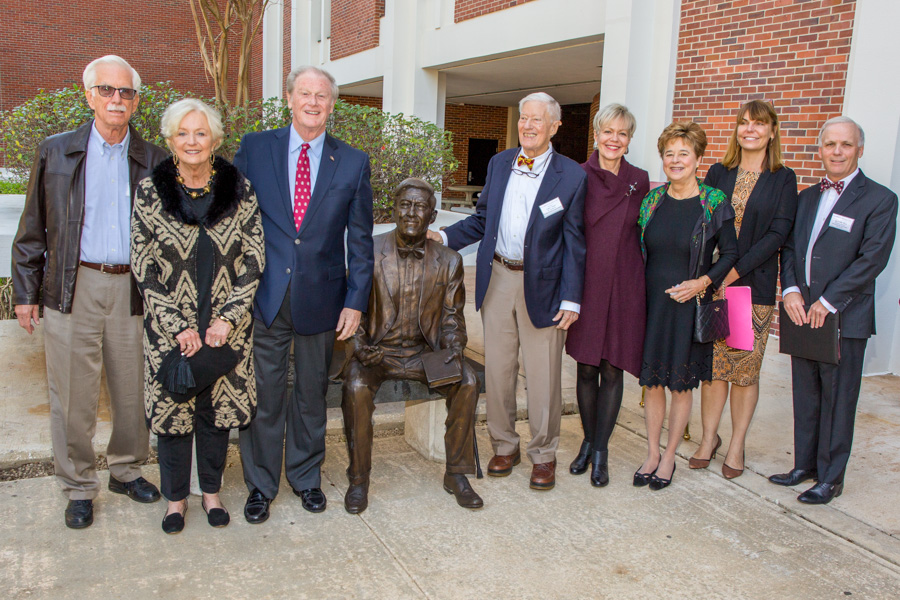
x=825 y=184
x=301 y=186
x=524 y=160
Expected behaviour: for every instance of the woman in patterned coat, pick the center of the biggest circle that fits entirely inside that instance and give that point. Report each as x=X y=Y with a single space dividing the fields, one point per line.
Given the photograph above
x=197 y=254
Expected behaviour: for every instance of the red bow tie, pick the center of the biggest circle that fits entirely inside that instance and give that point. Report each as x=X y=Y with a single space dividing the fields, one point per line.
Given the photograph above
x=838 y=187
x=524 y=160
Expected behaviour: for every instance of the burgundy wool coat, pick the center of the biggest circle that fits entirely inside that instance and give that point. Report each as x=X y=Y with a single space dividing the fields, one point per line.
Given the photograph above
x=613 y=308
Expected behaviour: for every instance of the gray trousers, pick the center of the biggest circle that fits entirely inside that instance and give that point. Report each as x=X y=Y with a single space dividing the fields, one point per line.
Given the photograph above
x=287 y=428
x=99 y=332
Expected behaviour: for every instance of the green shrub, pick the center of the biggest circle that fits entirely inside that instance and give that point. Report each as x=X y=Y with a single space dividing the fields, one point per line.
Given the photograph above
x=398 y=146
x=12 y=187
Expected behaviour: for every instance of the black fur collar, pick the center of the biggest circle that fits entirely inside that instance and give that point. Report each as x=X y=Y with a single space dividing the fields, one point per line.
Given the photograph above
x=227 y=189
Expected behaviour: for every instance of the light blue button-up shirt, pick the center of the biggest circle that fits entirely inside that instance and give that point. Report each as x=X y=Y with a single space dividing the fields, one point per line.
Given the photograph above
x=107 y=202
x=315 y=158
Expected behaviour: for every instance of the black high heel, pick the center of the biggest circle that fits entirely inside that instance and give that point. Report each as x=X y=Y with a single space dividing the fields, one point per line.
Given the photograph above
x=599 y=469
x=658 y=483
x=580 y=464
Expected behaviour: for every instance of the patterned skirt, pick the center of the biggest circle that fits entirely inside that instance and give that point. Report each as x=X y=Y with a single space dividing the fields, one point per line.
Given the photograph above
x=741 y=367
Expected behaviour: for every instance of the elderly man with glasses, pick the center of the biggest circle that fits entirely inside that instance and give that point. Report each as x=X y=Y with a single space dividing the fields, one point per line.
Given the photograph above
x=528 y=283
x=75 y=227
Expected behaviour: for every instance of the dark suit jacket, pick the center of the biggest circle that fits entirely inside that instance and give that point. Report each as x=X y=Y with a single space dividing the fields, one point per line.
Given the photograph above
x=554 y=246
x=767 y=222
x=441 y=301
x=311 y=261
x=844 y=264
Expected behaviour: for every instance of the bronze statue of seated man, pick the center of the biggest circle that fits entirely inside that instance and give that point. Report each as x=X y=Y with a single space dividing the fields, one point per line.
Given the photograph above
x=415 y=308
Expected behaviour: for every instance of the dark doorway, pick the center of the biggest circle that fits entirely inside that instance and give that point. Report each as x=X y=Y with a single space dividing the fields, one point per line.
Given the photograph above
x=480 y=153
x=572 y=137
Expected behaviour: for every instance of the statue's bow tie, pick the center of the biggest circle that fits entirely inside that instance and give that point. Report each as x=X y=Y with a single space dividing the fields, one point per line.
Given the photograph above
x=414 y=252
x=825 y=184
x=524 y=160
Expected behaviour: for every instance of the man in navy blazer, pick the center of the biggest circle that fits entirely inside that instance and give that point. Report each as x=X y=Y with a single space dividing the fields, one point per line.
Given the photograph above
x=528 y=282
x=311 y=188
x=842 y=240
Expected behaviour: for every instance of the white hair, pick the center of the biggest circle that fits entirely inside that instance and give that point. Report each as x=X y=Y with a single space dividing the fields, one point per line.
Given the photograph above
x=299 y=71
x=842 y=119
x=176 y=112
x=89 y=77
x=552 y=105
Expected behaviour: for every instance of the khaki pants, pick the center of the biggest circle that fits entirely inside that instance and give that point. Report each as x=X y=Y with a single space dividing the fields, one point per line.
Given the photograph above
x=507 y=328
x=100 y=331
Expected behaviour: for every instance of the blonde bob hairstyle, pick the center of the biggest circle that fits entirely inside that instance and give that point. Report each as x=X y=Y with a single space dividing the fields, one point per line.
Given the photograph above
x=762 y=111
x=610 y=113
x=688 y=131
x=175 y=114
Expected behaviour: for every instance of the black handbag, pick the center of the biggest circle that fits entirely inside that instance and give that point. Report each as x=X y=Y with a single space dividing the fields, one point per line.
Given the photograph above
x=710 y=318
x=184 y=377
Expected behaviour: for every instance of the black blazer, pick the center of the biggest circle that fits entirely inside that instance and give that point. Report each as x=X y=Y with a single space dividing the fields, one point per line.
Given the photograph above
x=767 y=222
x=844 y=263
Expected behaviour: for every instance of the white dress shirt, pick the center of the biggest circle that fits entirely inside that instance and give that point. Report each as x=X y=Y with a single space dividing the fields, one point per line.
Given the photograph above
x=314 y=153
x=827 y=200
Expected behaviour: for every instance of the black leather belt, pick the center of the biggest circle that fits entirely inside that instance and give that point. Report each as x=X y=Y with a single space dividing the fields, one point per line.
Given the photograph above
x=512 y=265
x=111 y=269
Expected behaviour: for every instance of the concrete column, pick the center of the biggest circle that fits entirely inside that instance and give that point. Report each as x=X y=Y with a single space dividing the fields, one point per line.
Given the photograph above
x=871 y=100
x=639 y=54
x=424 y=427
x=273 y=49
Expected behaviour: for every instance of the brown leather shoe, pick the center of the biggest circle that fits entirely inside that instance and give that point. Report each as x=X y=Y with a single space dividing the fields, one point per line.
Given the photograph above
x=543 y=476
x=501 y=466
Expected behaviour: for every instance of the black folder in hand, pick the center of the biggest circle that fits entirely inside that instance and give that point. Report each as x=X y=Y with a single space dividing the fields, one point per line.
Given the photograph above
x=822 y=344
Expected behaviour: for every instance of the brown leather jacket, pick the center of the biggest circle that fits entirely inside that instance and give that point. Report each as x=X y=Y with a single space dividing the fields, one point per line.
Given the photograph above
x=47 y=246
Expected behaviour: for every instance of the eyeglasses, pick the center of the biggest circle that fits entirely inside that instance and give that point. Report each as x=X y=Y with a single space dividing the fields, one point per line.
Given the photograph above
x=107 y=91
x=530 y=174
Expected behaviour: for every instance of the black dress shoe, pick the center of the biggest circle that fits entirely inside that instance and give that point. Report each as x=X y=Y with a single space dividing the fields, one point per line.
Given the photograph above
x=216 y=517
x=581 y=462
x=599 y=468
x=174 y=523
x=79 y=514
x=793 y=477
x=256 y=509
x=139 y=490
x=458 y=485
x=312 y=499
x=821 y=493
x=356 y=499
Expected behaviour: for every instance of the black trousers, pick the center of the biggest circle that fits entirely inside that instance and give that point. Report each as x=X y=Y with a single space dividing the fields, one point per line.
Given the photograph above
x=825 y=399
x=175 y=454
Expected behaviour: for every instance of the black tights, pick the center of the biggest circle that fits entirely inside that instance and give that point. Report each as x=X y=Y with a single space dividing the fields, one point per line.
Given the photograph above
x=599 y=392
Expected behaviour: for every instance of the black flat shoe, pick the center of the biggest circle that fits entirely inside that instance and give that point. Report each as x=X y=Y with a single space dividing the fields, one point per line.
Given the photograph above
x=139 y=490
x=599 y=470
x=794 y=476
x=821 y=493
x=642 y=479
x=256 y=509
x=581 y=462
x=79 y=514
x=217 y=517
x=174 y=523
x=658 y=483
x=312 y=499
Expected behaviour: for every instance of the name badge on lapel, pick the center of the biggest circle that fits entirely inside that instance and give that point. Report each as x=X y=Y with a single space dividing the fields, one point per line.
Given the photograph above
x=841 y=222
x=552 y=207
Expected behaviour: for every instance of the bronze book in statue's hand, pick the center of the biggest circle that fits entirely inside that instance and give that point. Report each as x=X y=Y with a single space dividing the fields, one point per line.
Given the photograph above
x=441 y=367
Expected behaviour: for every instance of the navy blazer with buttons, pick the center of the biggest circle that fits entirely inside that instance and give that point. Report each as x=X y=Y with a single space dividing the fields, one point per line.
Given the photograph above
x=554 y=245
x=311 y=260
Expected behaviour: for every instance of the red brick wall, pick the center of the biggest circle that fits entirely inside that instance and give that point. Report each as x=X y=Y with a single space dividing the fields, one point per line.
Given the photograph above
x=469 y=9
x=595 y=107
x=793 y=54
x=286 y=41
x=372 y=101
x=475 y=121
x=44 y=46
x=354 y=26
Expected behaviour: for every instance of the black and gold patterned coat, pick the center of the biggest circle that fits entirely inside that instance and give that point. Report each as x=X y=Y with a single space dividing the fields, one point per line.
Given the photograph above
x=164 y=246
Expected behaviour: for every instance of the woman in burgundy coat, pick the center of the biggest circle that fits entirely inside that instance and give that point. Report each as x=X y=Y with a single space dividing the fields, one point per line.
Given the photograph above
x=608 y=337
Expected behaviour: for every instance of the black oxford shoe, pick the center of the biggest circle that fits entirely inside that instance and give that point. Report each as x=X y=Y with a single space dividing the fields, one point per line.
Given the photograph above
x=821 y=493
x=256 y=509
x=312 y=499
x=139 y=490
x=356 y=499
x=79 y=514
x=458 y=485
x=794 y=477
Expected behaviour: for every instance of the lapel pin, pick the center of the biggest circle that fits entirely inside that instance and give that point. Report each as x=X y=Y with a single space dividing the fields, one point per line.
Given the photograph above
x=331 y=157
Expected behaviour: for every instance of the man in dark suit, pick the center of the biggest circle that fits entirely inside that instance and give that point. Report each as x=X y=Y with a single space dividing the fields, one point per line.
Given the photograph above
x=528 y=282
x=841 y=241
x=311 y=187
x=416 y=307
